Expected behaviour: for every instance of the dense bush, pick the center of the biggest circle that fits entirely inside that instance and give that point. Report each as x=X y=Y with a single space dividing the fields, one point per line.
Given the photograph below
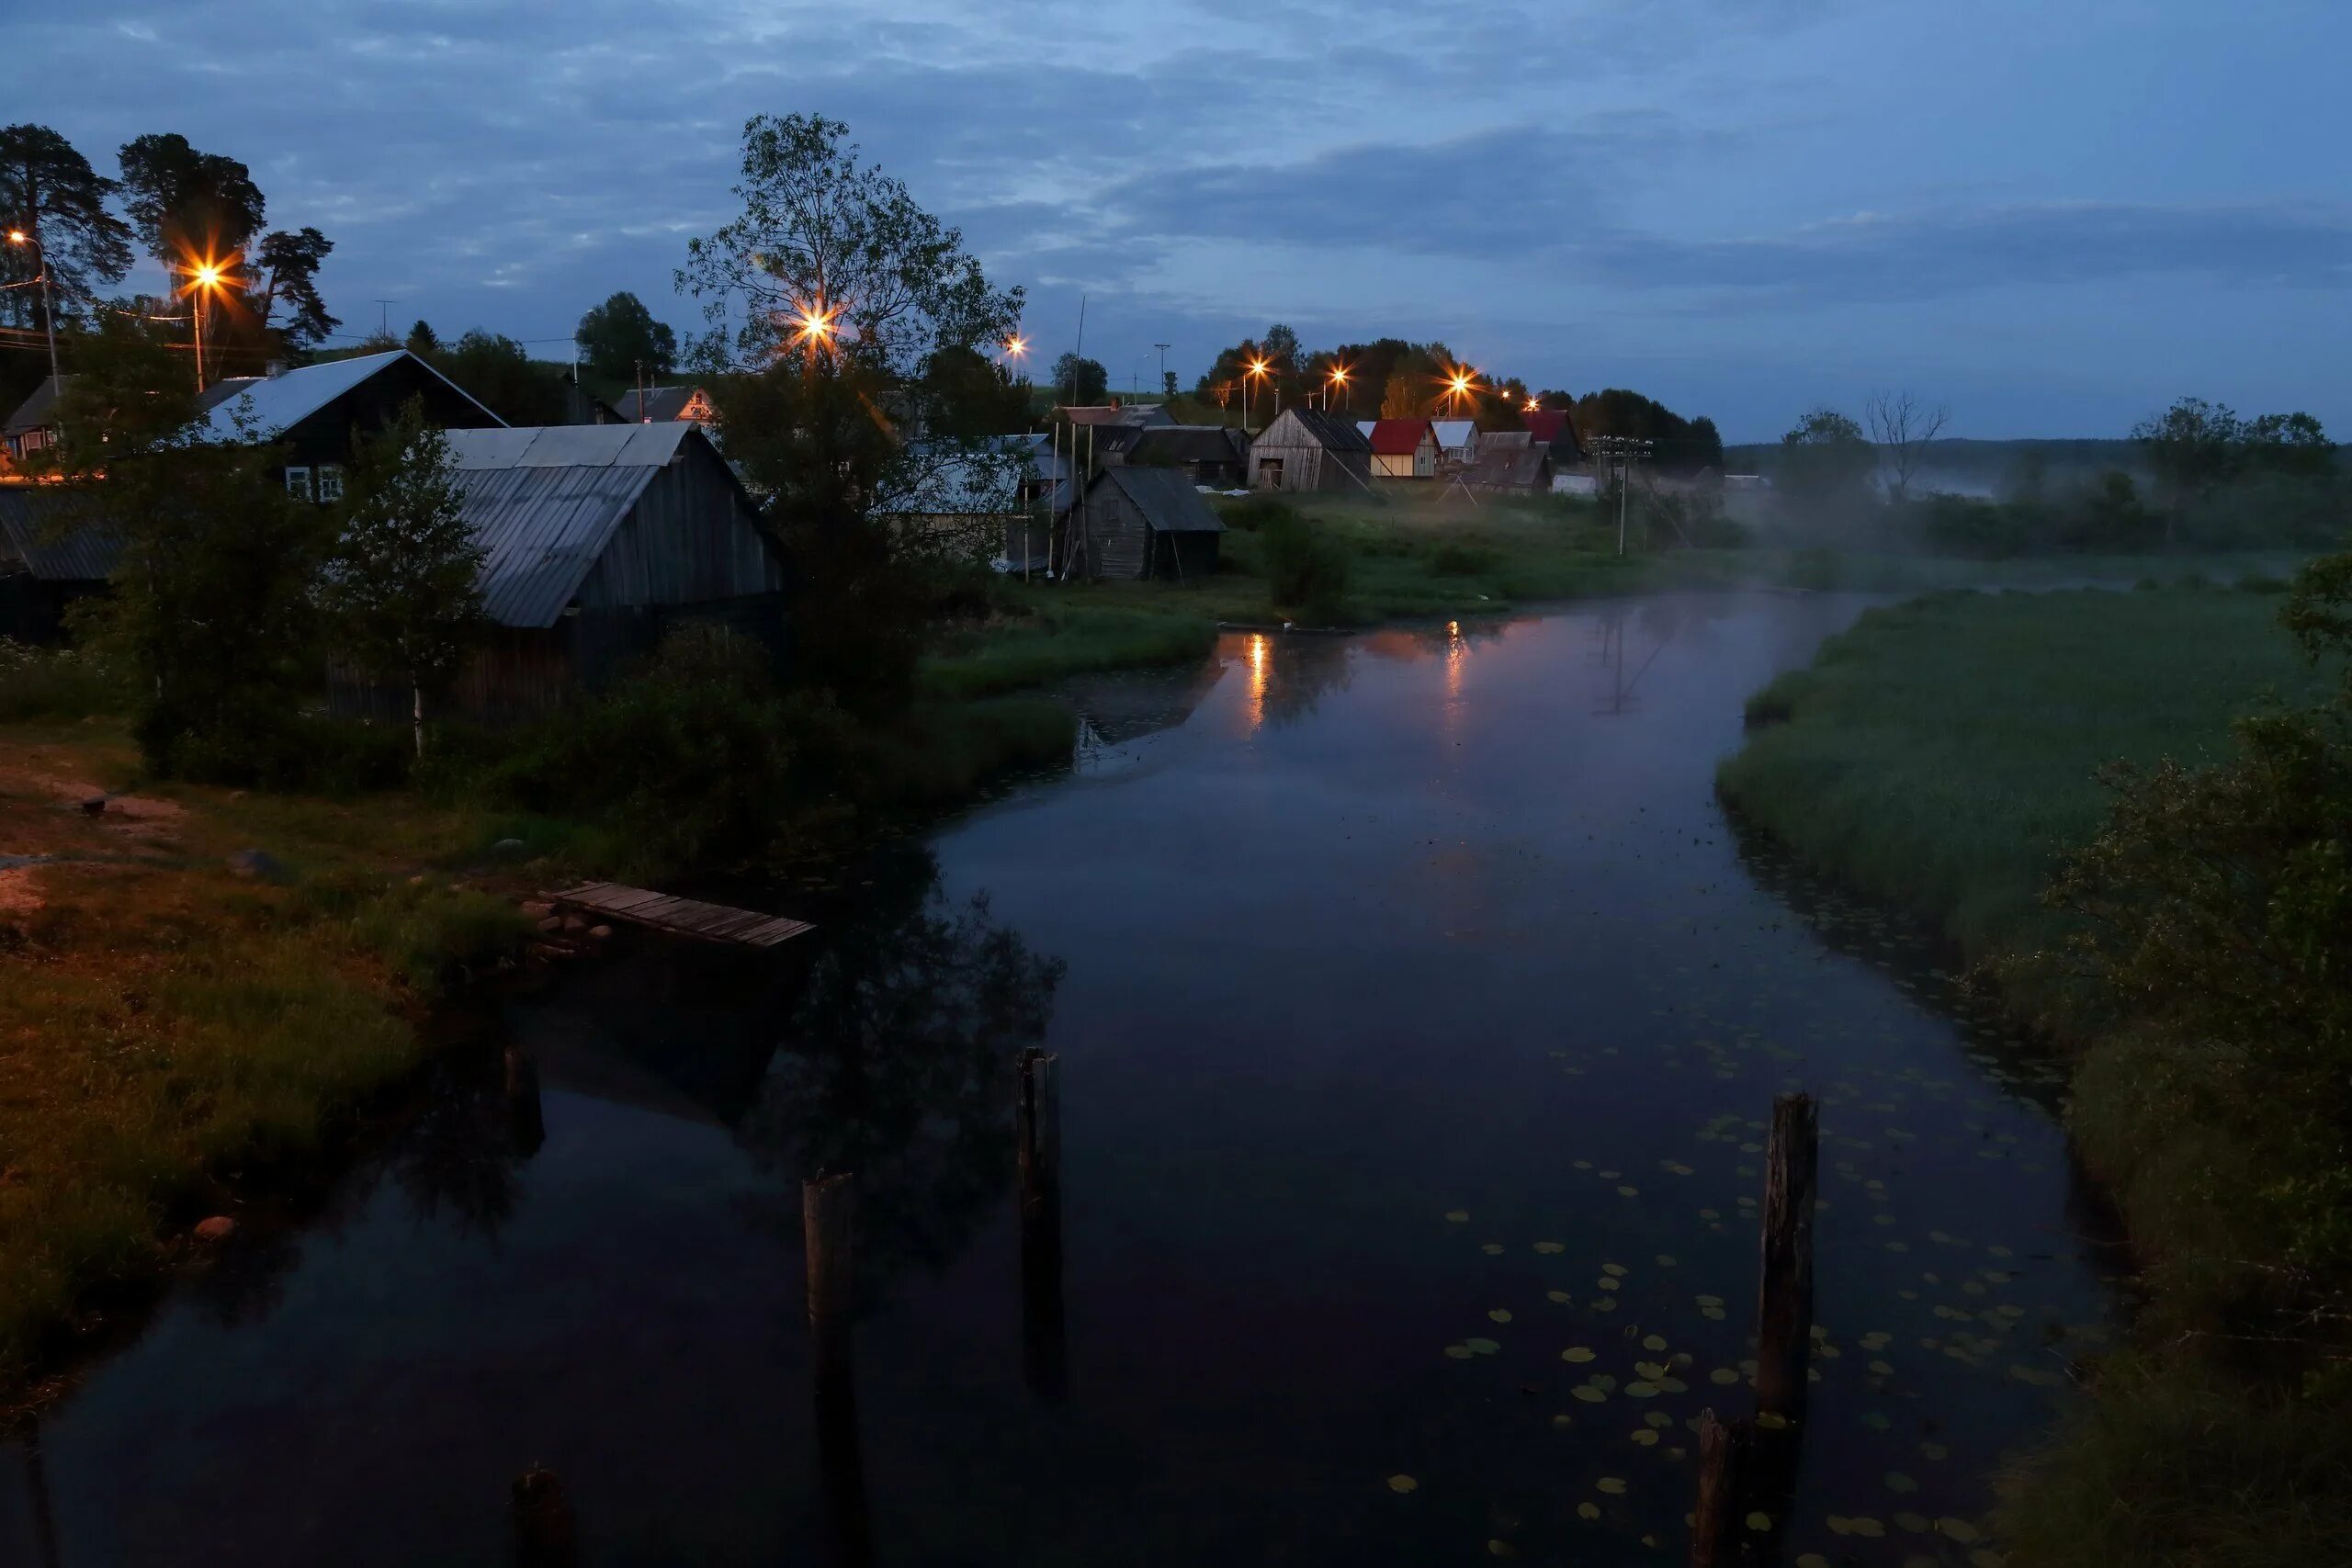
x=687 y=761
x=1254 y=514
x=1307 y=570
x=59 y=682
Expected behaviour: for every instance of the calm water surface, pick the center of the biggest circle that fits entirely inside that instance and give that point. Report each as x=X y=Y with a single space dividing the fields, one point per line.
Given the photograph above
x=1419 y=1014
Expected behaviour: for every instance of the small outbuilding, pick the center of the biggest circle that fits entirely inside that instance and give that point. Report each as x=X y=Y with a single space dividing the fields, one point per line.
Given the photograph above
x=1404 y=449
x=599 y=539
x=1524 y=469
x=1142 y=523
x=1306 y=449
x=49 y=556
x=1212 y=455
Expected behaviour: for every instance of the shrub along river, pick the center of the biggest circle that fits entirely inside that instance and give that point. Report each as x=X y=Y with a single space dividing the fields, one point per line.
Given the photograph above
x=1419 y=1016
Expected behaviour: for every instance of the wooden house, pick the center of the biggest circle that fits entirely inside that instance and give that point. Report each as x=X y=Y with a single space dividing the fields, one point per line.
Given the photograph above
x=663 y=405
x=1212 y=455
x=1306 y=449
x=1457 y=440
x=33 y=427
x=1142 y=523
x=599 y=538
x=319 y=413
x=1556 y=428
x=1404 y=449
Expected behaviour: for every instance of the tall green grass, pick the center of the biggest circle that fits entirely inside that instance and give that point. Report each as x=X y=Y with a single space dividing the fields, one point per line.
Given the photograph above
x=1942 y=753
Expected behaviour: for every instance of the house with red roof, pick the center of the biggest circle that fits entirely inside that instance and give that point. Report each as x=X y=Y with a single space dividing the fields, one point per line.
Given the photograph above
x=1555 y=428
x=1404 y=449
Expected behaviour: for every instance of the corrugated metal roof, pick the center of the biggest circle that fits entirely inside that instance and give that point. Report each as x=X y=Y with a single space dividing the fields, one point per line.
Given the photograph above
x=269 y=405
x=41 y=526
x=1325 y=430
x=1166 y=499
x=568 y=447
x=542 y=528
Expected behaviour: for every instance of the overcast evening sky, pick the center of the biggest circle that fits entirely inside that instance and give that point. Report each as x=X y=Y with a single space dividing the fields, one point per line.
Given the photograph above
x=2056 y=215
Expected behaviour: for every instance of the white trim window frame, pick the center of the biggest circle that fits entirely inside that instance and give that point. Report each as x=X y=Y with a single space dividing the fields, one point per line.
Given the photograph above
x=328 y=481
x=298 y=483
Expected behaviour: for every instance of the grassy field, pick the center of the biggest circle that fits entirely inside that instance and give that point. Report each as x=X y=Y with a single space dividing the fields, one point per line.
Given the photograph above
x=165 y=1021
x=1429 y=559
x=1941 y=755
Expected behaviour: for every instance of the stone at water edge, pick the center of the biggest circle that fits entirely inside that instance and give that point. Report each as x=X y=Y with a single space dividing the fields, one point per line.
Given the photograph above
x=552 y=924
x=220 y=1227
x=536 y=908
x=96 y=806
x=506 y=846
x=600 y=932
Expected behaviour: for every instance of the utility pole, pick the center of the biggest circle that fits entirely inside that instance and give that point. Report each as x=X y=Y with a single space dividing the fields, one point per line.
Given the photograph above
x=1625 y=451
x=1163 y=366
x=48 y=302
x=384 y=317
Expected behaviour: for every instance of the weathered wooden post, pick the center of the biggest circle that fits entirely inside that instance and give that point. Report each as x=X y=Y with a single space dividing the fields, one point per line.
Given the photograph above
x=523 y=1112
x=1038 y=1126
x=1784 y=1305
x=1715 y=1521
x=544 y=1536
x=828 y=1235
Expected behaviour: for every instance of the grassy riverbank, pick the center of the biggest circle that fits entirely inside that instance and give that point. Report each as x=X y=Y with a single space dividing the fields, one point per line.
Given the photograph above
x=1942 y=755
x=1408 y=559
x=168 y=1025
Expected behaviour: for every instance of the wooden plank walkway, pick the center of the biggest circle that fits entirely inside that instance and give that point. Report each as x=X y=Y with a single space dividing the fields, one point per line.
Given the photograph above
x=683 y=916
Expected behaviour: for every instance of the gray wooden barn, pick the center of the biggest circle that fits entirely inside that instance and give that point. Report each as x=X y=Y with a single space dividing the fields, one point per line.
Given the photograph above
x=1308 y=450
x=599 y=537
x=1140 y=522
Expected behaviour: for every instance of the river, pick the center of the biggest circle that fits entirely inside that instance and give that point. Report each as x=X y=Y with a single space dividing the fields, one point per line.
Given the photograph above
x=1419 y=1015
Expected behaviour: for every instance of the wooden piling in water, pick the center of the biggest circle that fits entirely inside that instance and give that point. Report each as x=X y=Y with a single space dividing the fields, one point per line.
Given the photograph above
x=1038 y=1129
x=1715 y=1520
x=544 y=1536
x=829 y=1234
x=1784 y=1301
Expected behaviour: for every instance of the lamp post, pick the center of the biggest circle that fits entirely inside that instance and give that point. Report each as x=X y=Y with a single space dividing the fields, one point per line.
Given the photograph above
x=48 y=302
x=203 y=278
x=1257 y=370
x=1338 y=379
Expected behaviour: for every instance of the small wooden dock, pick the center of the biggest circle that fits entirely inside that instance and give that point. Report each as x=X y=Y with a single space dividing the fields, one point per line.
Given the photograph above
x=681 y=917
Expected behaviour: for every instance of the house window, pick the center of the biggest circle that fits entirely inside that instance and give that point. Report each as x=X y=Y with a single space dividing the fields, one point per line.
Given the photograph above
x=1270 y=472
x=298 y=483
x=329 y=481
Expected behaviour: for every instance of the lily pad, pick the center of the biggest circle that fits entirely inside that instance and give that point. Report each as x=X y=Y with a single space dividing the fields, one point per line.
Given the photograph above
x=1501 y=1314
x=1898 y=1482
x=1589 y=1394
x=1481 y=1347
x=1609 y=1484
x=1759 y=1520
x=1588 y=1511
x=1458 y=1216
x=1403 y=1484
x=1576 y=1353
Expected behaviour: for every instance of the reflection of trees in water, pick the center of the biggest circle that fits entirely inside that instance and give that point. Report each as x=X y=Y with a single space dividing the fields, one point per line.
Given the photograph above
x=897 y=1063
x=459 y=1155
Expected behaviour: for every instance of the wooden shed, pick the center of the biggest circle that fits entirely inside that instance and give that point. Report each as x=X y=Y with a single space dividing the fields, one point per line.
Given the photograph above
x=599 y=538
x=1142 y=523
x=51 y=555
x=1306 y=449
x=1404 y=449
x=1212 y=455
x=1524 y=469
